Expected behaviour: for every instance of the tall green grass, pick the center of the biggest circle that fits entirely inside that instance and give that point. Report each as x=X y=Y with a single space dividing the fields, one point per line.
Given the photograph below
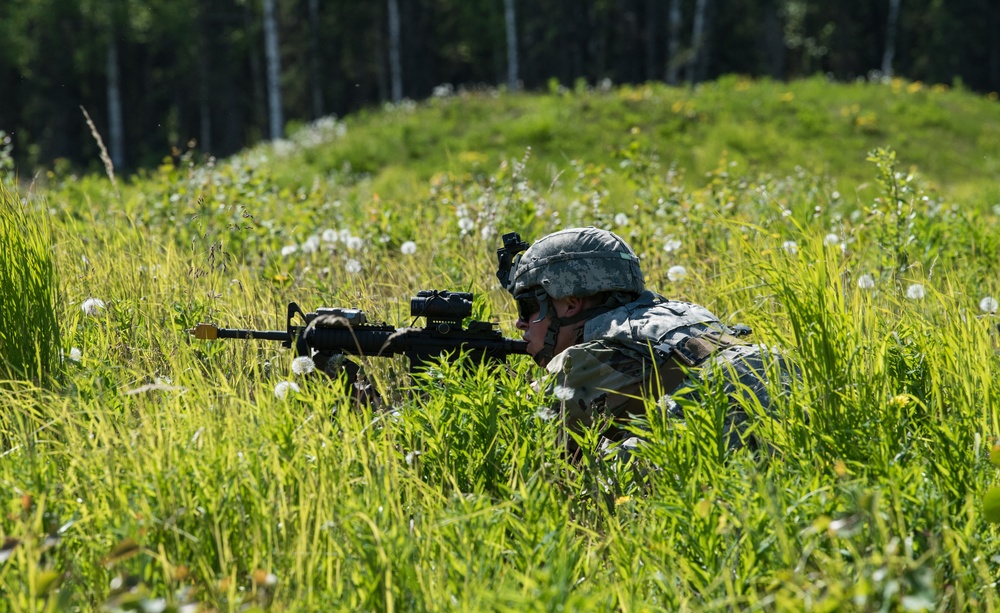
x=29 y=293
x=166 y=472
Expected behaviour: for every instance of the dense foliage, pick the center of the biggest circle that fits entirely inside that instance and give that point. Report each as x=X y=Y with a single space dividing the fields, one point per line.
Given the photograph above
x=166 y=472
x=195 y=71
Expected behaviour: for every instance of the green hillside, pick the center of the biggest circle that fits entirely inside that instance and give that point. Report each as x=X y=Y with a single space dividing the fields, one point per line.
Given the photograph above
x=952 y=137
x=852 y=226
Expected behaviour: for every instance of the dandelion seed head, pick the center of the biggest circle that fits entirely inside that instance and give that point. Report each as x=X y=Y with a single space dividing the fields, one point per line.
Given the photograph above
x=831 y=240
x=353 y=266
x=354 y=243
x=311 y=245
x=288 y=250
x=790 y=247
x=303 y=365
x=988 y=304
x=915 y=291
x=545 y=414
x=621 y=219
x=561 y=392
x=866 y=282
x=410 y=457
x=282 y=389
x=672 y=244
x=75 y=355
x=92 y=306
x=677 y=273
x=408 y=248
x=329 y=236
x=465 y=224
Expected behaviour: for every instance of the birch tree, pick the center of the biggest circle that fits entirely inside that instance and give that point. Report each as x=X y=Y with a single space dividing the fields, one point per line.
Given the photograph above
x=697 y=41
x=276 y=120
x=314 y=60
x=673 y=41
x=116 y=124
x=395 y=65
x=513 y=78
x=890 y=38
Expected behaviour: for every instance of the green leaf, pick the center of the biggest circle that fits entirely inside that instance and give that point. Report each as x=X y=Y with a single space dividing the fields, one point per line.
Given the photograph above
x=991 y=505
x=122 y=551
x=46 y=581
x=995 y=455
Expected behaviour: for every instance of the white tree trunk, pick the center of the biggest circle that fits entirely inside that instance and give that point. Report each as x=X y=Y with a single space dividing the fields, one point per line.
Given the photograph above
x=115 y=122
x=697 y=40
x=673 y=41
x=890 y=38
x=314 y=60
x=513 y=78
x=277 y=121
x=395 y=65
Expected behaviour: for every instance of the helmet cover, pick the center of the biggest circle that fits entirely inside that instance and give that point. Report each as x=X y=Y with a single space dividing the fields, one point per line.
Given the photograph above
x=578 y=262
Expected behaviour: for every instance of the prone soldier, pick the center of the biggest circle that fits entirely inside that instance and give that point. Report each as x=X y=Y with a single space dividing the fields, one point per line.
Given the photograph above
x=610 y=344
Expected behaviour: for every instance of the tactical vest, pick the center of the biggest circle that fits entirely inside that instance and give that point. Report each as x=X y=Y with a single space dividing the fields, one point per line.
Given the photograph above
x=687 y=332
x=679 y=337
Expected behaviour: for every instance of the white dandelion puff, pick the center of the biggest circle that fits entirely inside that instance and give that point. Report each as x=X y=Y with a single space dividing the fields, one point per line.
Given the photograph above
x=282 y=388
x=311 y=245
x=354 y=243
x=408 y=248
x=545 y=414
x=915 y=291
x=288 y=250
x=790 y=247
x=353 y=266
x=303 y=365
x=988 y=305
x=92 y=306
x=866 y=282
x=410 y=457
x=831 y=240
x=621 y=219
x=465 y=224
x=677 y=273
x=562 y=392
x=329 y=236
x=672 y=244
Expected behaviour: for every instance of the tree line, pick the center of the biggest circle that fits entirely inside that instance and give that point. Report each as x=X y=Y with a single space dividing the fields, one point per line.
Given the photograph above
x=162 y=75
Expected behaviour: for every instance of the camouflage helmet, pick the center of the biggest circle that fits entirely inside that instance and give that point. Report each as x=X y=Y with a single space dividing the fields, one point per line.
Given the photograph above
x=578 y=262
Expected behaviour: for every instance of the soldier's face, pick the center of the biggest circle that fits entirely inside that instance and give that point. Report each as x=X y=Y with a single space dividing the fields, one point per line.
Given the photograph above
x=534 y=331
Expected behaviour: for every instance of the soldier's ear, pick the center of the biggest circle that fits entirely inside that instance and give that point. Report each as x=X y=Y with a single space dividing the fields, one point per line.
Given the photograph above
x=574 y=305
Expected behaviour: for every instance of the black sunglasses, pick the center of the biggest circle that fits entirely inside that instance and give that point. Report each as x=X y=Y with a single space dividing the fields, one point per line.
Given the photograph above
x=526 y=307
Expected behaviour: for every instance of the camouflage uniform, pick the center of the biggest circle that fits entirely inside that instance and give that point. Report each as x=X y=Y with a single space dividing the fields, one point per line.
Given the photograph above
x=634 y=346
x=650 y=348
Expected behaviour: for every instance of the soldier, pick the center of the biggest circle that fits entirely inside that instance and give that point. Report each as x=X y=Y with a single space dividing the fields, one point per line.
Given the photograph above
x=610 y=344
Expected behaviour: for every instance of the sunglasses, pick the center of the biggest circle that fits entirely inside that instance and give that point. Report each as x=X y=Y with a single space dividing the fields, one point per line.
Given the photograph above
x=526 y=307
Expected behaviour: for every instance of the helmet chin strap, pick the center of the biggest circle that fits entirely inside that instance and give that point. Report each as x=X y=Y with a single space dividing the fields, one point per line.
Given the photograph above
x=545 y=306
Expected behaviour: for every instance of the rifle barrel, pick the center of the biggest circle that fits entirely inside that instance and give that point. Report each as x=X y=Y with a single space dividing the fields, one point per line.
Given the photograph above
x=266 y=335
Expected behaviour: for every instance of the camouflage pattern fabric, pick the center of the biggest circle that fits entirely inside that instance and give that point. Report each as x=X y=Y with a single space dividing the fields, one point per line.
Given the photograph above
x=651 y=348
x=578 y=262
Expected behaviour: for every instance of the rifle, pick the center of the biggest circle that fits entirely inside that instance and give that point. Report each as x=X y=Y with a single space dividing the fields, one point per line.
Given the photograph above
x=330 y=333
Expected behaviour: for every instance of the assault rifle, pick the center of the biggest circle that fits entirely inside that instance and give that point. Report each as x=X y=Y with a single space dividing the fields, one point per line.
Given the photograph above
x=330 y=333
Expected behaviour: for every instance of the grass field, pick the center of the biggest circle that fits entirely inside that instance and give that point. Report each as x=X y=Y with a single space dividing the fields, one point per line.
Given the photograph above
x=851 y=225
